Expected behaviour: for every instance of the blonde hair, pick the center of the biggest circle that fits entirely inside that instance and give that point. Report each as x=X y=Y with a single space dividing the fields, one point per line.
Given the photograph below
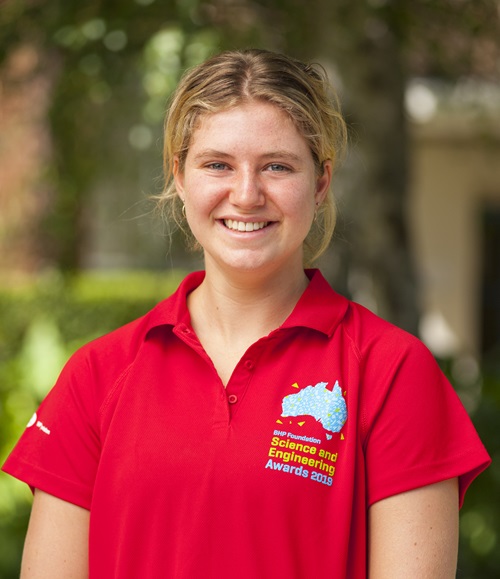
x=234 y=77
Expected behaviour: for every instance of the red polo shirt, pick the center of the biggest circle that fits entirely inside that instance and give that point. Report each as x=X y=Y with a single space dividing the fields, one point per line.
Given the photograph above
x=270 y=477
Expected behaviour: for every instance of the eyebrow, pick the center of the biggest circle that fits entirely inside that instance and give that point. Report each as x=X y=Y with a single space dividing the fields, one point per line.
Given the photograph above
x=280 y=155
x=209 y=153
x=285 y=155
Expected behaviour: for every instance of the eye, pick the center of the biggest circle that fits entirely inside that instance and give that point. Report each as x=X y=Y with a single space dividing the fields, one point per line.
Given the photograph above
x=217 y=166
x=277 y=168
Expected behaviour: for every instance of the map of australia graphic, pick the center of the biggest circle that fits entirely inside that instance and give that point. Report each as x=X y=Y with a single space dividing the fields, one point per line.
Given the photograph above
x=327 y=406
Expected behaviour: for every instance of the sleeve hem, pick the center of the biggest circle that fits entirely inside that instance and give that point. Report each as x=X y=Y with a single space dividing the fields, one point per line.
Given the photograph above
x=428 y=474
x=38 y=478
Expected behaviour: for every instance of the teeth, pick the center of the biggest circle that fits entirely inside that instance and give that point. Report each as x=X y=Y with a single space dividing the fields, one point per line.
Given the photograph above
x=244 y=225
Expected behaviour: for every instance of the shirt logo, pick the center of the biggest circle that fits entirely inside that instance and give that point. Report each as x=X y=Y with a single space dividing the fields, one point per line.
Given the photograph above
x=38 y=423
x=326 y=406
x=313 y=457
x=32 y=421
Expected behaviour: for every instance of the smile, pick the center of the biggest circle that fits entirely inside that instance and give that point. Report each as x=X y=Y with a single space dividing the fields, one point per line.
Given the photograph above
x=245 y=225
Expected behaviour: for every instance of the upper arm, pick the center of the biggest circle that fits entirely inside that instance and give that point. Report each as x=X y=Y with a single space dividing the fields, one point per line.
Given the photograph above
x=415 y=534
x=57 y=540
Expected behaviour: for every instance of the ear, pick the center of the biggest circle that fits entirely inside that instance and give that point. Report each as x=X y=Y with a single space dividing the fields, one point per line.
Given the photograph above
x=178 y=176
x=323 y=182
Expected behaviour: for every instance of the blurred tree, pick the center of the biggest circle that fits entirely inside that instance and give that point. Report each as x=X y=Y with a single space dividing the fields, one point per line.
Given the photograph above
x=97 y=59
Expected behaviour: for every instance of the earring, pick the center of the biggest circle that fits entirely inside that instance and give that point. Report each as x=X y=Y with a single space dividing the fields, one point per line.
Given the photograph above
x=183 y=211
x=316 y=210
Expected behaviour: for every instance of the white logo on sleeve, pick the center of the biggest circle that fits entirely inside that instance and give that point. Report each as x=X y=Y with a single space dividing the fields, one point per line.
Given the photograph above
x=32 y=421
x=38 y=423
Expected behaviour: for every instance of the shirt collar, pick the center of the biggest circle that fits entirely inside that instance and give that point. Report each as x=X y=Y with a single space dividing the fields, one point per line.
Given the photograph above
x=319 y=308
x=173 y=310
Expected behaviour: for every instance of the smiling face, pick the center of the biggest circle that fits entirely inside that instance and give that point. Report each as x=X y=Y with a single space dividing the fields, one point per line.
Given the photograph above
x=250 y=188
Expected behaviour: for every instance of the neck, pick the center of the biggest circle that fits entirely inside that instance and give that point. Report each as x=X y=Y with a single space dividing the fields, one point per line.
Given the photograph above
x=245 y=306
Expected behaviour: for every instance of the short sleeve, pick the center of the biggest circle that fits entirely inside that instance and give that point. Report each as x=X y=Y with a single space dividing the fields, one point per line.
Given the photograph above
x=418 y=432
x=59 y=450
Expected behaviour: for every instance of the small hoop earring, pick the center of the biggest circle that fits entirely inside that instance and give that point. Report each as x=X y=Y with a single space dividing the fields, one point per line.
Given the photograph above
x=183 y=211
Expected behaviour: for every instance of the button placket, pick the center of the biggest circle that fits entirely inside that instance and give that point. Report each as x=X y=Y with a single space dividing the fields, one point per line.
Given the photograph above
x=249 y=365
x=239 y=382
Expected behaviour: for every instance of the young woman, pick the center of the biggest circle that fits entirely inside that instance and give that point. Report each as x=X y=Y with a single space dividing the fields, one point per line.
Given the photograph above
x=255 y=424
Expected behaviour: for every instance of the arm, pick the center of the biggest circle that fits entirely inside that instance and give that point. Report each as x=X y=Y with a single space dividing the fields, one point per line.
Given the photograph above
x=57 y=540
x=414 y=535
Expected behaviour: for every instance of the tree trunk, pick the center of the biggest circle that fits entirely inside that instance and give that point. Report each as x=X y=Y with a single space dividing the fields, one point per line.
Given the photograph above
x=27 y=77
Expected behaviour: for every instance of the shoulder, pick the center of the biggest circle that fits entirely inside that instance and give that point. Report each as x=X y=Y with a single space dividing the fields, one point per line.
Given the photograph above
x=102 y=362
x=95 y=368
x=121 y=345
x=370 y=338
x=371 y=335
x=393 y=366
x=323 y=309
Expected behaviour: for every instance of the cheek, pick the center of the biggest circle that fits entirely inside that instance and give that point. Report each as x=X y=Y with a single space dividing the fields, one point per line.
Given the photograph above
x=201 y=203
x=301 y=200
x=199 y=195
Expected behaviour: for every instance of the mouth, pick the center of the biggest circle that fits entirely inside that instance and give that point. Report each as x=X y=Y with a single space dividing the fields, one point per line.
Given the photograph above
x=245 y=225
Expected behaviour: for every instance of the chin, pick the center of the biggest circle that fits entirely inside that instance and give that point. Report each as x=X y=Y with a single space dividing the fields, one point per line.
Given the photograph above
x=261 y=263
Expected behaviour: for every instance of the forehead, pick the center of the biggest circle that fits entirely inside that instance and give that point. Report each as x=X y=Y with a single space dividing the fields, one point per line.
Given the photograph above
x=254 y=123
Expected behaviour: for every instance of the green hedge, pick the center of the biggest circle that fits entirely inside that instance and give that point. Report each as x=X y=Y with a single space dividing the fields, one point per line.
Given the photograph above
x=42 y=323
x=479 y=556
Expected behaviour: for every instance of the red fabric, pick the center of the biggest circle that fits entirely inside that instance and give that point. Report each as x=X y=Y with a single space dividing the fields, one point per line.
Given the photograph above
x=185 y=479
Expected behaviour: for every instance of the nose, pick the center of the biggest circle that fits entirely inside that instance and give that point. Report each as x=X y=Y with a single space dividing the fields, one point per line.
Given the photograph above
x=247 y=191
